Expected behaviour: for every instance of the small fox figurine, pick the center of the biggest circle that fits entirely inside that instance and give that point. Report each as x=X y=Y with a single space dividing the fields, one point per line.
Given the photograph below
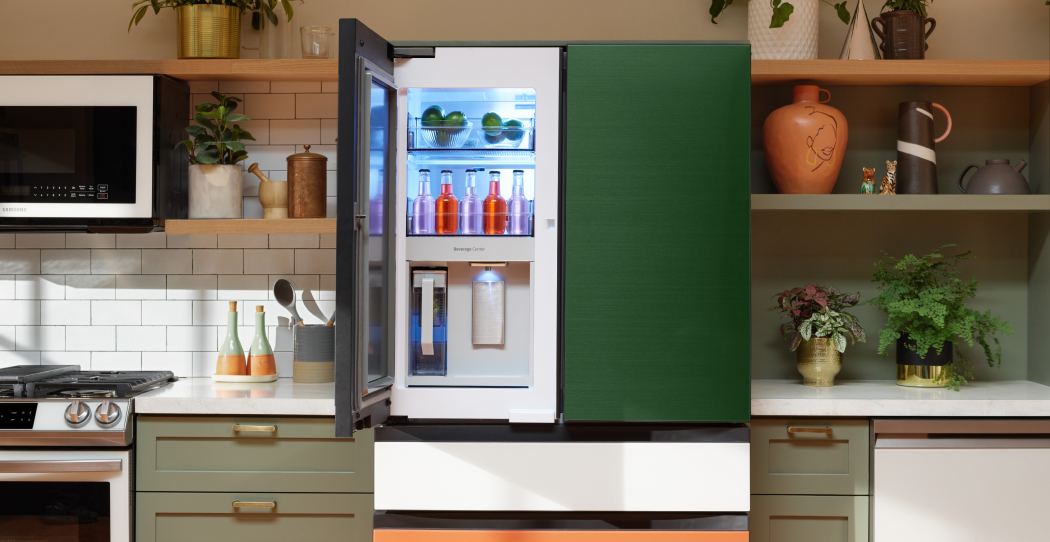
x=868 y=186
x=889 y=182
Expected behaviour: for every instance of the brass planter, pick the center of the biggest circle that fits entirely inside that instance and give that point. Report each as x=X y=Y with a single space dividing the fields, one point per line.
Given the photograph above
x=818 y=361
x=209 y=31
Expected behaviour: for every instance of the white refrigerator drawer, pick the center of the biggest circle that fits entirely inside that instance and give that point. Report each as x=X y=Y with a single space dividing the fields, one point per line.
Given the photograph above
x=563 y=476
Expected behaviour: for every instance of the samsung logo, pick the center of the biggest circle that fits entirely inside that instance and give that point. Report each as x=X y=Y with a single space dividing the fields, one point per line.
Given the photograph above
x=14 y=209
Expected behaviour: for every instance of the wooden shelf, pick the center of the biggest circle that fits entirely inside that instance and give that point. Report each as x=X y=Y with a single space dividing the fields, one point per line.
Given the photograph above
x=972 y=73
x=189 y=70
x=250 y=225
x=902 y=202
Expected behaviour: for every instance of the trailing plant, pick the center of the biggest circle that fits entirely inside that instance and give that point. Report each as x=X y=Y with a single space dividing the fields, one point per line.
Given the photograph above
x=262 y=10
x=818 y=312
x=918 y=6
x=781 y=10
x=216 y=138
x=923 y=298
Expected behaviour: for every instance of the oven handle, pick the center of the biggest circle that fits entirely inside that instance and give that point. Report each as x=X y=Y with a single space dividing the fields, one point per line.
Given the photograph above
x=41 y=467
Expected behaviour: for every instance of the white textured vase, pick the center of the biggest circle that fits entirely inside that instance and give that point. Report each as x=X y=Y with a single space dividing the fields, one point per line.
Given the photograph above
x=796 y=40
x=215 y=191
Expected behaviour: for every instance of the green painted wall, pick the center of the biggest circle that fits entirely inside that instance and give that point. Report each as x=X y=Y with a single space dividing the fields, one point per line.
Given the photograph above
x=656 y=230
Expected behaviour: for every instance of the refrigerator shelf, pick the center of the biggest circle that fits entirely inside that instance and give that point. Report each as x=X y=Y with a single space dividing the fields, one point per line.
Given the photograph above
x=471 y=135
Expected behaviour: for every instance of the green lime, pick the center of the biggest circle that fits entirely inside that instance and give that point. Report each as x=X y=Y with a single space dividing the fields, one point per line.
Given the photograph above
x=516 y=131
x=433 y=116
x=494 y=138
x=455 y=118
x=491 y=123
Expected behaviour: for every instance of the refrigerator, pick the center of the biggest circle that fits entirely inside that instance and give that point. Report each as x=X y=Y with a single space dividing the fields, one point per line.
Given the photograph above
x=543 y=292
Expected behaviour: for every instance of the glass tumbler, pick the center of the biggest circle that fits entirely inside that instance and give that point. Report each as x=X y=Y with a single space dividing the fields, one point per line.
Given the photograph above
x=316 y=41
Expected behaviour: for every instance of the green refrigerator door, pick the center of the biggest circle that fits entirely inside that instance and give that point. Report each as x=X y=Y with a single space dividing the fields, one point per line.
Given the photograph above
x=657 y=234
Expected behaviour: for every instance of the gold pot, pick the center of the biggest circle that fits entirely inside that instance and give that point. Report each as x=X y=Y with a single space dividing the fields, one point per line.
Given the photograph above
x=818 y=361
x=209 y=31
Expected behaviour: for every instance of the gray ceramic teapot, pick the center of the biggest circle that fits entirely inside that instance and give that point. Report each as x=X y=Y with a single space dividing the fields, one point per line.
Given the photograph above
x=996 y=177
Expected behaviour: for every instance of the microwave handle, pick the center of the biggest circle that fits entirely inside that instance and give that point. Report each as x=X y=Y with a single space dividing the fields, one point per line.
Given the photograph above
x=44 y=467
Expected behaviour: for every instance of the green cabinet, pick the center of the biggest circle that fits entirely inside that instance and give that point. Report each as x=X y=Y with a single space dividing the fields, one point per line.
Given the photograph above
x=203 y=454
x=801 y=518
x=809 y=456
x=657 y=233
x=252 y=517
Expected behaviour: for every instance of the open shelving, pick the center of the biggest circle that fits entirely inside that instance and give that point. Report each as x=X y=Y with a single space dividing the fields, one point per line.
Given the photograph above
x=250 y=225
x=902 y=202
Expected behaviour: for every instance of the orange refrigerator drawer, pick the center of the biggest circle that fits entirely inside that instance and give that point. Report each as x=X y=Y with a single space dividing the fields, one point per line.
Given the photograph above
x=420 y=535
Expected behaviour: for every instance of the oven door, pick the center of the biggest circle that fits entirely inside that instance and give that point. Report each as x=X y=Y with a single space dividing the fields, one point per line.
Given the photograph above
x=65 y=496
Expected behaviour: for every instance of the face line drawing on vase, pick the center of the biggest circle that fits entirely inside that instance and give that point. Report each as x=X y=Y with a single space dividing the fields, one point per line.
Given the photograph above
x=826 y=153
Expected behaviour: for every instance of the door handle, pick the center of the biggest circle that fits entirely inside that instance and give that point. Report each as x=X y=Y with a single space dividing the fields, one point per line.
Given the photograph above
x=42 y=467
x=260 y=428
x=239 y=504
x=822 y=430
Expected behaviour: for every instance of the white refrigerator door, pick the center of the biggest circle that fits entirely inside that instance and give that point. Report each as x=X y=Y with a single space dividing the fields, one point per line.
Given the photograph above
x=489 y=67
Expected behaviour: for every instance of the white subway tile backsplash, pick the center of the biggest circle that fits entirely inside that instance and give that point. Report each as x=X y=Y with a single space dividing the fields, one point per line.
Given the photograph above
x=7 y=338
x=192 y=286
x=7 y=240
x=329 y=86
x=243 y=240
x=250 y=185
x=204 y=87
x=319 y=261
x=270 y=261
x=90 y=287
x=213 y=313
x=197 y=99
x=167 y=313
x=295 y=87
x=331 y=186
x=90 y=240
x=329 y=131
x=204 y=363
x=62 y=313
x=116 y=313
x=294 y=240
x=83 y=359
x=259 y=129
x=270 y=106
x=141 y=287
x=21 y=313
x=124 y=261
x=180 y=363
x=193 y=339
x=9 y=358
x=116 y=361
x=21 y=262
x=243 y=87
x=327 y=289
x=65 y=261
x=269 y=157
x=252 y=208
x=41 y=338
x=284 y=364
x=243 y=287
x=142 y=338
x=201 y=240
x=316 y=106
x=328 y=240
x=295 y=132
x=7 y=286
x=302 y=284
x=40 y=240
x=91 y=338
x=223 y=261
x=40 y=287
x=142 y=240
x=167 y=261
x=330 y=208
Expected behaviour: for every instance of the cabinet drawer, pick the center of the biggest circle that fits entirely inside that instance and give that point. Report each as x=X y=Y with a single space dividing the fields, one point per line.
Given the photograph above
x=212 y=517
x=805 y=518
x=290 y=455
x=809 y=457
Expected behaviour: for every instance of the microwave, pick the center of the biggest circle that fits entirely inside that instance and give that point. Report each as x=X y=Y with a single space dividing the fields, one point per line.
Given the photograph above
x=92 y=153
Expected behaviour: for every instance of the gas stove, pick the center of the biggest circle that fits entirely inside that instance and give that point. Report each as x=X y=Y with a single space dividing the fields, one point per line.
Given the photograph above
x=60 y=405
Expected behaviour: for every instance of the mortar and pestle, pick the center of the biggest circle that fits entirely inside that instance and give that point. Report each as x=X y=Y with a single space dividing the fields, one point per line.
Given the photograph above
x=273 y=195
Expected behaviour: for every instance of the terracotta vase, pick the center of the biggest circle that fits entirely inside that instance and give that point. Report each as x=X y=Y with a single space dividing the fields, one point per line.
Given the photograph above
x=804 y=143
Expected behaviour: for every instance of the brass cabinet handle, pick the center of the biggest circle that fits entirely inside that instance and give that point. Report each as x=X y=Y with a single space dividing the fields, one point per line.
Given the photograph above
x=823 y=430
x=239 y=504
x=263 y=428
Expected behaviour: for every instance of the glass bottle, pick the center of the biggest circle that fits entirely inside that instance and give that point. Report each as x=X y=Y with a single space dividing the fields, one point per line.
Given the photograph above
x=495 y=208
x=423 y=206
x=518 y=207
x=446 y=207
x=260 y=356
x=231 y=354
x=470 y=207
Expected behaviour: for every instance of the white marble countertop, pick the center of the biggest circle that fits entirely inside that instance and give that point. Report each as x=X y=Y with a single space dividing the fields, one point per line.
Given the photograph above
x=885 y=398
x=199 y=396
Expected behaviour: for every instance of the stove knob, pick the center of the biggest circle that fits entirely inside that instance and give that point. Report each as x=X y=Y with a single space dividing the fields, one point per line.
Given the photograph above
x=107 y=413
x=78 y=414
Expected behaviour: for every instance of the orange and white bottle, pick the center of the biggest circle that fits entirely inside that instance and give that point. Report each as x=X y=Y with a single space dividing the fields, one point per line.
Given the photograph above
x=231 y=354
x=260 y=356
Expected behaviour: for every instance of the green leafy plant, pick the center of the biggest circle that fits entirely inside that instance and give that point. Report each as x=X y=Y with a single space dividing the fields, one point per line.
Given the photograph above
x=262 y=10
x=924 y=299
x=918 y=6
x=216 y=139
x=818 y=312
x=782 y=10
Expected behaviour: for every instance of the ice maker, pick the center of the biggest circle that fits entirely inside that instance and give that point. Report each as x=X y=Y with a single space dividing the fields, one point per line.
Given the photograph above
x=429 y=323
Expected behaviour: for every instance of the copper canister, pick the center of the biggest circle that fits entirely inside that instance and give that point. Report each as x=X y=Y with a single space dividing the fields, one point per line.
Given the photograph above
x=307 y=185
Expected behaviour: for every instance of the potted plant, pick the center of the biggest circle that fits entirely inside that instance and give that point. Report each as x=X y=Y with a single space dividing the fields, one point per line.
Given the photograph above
x=924 y=302
x=902 y=28
x=779 y=40
x=215 y=149
x=818 y=329
x=211 y=28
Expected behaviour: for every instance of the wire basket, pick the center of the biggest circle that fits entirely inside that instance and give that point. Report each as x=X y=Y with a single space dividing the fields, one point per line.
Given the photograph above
x=444 y=137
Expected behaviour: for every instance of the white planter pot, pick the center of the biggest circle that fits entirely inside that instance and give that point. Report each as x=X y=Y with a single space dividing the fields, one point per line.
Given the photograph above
x=215 y=191
x=796 y=40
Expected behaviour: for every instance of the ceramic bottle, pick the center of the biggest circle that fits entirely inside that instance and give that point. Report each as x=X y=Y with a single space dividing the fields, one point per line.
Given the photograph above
x=916 y=156
x=260 y=356
x=231 y=354
x=804 y=143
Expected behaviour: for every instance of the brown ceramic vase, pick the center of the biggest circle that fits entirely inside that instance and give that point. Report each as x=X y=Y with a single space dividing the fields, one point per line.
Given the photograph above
x=903 y=34
x=804 y=143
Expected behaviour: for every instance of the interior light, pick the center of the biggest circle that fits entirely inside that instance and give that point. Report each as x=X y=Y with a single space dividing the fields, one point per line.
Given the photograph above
x=488 y=264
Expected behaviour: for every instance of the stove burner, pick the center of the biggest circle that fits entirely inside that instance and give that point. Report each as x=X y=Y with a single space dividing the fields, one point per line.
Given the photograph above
x=75 y=394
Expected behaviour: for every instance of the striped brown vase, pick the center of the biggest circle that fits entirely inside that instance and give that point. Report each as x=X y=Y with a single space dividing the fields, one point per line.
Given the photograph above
x=903 y=34
x=916 y=159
